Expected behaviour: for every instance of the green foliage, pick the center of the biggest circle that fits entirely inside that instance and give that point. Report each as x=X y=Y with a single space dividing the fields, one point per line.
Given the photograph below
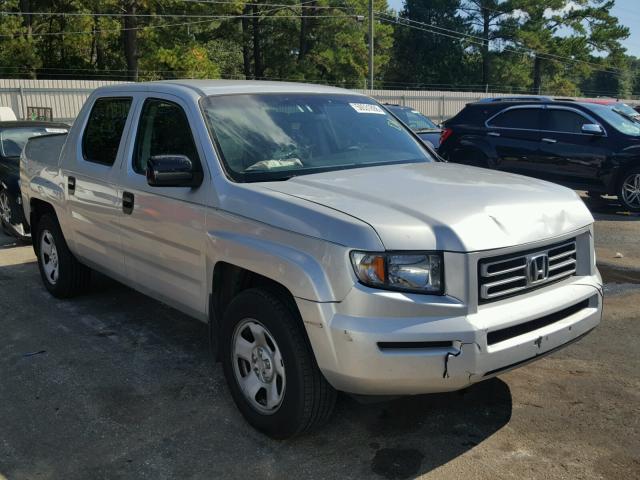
x=422 y=57
x=564 y=47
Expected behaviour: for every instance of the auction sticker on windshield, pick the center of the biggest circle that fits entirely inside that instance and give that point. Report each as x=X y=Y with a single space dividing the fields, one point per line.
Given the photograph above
x=367 y=108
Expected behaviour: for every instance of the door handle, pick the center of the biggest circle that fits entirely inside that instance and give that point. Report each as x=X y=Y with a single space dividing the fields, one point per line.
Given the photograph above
x=127 y=202
x=71 y=185
x=493 y=134
x=549 y=140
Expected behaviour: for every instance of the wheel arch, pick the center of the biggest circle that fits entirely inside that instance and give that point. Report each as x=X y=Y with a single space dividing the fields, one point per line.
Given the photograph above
x=37 y=208
x=229 y=280
x=471 y=144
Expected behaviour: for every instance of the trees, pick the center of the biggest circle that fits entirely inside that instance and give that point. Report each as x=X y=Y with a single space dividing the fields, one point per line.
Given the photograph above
x=550 y=46
x=423 y=55
x=564 y=34
x=486 y=18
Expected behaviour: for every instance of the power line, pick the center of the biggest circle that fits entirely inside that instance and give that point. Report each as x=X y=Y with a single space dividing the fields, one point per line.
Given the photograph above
x=197 y=22
x=457 y=35
x=296 y=5
x=161 y=15
x=528 y=50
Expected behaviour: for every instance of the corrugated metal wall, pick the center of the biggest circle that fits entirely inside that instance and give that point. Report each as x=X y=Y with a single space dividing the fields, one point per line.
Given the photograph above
x=65 y=97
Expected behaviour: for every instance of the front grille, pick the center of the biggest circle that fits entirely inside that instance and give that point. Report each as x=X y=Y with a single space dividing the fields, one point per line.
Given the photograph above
x=506 y=275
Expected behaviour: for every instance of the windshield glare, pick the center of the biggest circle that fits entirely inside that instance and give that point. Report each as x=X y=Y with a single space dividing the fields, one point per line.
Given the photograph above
x=619 y=121
x=276 y=136
x=13 y=140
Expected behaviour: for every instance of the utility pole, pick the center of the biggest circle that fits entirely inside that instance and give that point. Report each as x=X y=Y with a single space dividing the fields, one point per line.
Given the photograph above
x=371 y=44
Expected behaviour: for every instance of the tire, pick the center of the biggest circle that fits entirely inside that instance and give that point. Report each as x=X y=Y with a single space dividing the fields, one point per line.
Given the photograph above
x=10 y=214
x=629 y=190
x=301 y=399
x=61 y=272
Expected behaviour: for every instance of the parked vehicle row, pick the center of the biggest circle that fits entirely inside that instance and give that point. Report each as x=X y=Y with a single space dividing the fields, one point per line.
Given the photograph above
x=595 y=166
x=582 y=145
x=326 y=247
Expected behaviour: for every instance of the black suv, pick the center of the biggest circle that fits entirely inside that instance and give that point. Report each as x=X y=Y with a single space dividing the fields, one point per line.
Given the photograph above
x=581 y=145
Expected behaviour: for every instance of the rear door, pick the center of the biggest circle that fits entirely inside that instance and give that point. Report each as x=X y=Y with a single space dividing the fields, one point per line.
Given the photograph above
x=566 y=153
x=90 y=170
x=514 y=133
x=163 y=228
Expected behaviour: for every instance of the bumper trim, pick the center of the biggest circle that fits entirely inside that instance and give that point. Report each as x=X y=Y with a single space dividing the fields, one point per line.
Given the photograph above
x=413 y=345
x=497 y=336
x=537 y=356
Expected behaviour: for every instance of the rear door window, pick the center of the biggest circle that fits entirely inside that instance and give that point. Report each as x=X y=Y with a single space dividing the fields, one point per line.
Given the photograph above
x=101 y=138
x=518 y=118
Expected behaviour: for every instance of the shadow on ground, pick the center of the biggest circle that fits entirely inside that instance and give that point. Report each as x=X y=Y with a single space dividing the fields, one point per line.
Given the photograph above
x=609 y=208
x=115 y=385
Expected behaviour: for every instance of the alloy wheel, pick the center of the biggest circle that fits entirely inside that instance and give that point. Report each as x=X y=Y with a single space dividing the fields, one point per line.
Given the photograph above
x=5 y=208
x=631 y=190
x=49 y=257
x=258 y=366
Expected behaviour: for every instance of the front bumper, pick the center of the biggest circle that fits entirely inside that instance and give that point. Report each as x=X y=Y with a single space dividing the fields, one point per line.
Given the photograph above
x=361 y=348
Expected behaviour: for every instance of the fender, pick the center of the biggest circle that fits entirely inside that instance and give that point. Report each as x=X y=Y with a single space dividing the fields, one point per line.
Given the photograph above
x=477 y=142
x=295 y=268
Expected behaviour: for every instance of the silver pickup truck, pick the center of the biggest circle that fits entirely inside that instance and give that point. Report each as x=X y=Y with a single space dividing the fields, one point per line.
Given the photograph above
x=326 y=247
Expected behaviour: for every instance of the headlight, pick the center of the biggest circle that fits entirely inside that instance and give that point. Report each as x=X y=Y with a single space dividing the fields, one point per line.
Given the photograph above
x=410 y=272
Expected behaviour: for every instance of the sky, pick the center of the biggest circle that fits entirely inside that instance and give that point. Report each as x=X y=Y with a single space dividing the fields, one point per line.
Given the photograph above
x=627 y=11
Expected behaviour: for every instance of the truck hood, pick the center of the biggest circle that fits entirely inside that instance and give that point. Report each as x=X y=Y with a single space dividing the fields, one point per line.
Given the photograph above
x=442 y=206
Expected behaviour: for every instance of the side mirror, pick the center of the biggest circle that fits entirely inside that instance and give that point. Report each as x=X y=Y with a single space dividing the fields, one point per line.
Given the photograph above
x=172 y=171
x=592 y=129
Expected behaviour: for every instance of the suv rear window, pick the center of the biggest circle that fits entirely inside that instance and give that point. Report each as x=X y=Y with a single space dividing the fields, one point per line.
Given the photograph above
x=101 y=138
x=523 y=118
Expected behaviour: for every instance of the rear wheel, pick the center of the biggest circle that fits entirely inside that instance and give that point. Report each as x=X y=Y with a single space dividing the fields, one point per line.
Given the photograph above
x=629 y=190
x=270 y=368
x=61 y=272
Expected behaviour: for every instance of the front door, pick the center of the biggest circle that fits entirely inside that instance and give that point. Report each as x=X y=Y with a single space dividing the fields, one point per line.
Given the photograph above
x=568 y=155
x=163 y=227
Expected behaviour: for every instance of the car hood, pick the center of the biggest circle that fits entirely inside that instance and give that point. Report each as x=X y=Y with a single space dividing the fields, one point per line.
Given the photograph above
x=441 y=206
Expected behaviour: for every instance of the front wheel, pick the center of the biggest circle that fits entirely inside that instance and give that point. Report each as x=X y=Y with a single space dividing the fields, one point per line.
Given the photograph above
x=10 y=214
x=629 y=190
x=270 y=368
x=62 y=274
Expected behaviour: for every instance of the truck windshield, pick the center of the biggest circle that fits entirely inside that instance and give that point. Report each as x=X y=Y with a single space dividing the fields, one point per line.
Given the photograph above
x=278 y=136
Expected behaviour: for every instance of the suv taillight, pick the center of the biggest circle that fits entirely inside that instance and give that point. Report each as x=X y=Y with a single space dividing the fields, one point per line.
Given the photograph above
x=446 y=133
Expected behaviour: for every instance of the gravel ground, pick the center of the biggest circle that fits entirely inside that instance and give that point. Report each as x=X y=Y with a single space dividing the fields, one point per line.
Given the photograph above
x=115 y=385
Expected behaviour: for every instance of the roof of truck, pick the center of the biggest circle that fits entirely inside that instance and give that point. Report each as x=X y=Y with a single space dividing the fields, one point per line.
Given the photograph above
x=226 y=87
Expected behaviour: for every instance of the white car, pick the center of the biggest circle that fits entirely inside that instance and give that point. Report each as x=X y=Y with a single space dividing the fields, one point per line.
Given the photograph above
x=321 y=241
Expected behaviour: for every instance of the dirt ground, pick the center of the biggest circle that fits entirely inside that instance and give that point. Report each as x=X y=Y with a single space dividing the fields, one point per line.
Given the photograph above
x=114 y=385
